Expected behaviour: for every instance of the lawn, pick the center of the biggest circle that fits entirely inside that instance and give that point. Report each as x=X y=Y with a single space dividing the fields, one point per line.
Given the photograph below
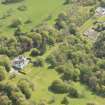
x=37 y=11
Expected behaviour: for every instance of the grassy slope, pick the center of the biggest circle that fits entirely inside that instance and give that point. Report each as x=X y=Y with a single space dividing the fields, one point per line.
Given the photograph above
x=37 y=11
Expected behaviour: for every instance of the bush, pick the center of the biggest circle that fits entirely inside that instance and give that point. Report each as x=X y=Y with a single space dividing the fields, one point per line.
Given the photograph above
x=25 y=88
x=15 y=23
x=28 y=21
x=74 y=93
x=22 y=8
x=59 y=87
x=68 y=2
x=4 y=100
x=65 y=101
x=35 y=52
x=10 y=1
x=2 y=73
x=102 y=3
x=38 y=62
x=51 y=60
x=99 y=46
x=5 y=62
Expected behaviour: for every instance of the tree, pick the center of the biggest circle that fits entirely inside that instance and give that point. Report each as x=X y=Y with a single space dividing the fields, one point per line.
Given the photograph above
x=25 y=88
x=51 y=60
x=65 y=101
x=10 y=1
x=68 y=1
x=15 y=23
x=2 y=73
x=99 y=46
x=25 y=43
x=73 y=92
x=76 y=74
x=72 y=29
x=36 y=38
x=85 y=73
x=68 y=71
x=35 y=52
x=38 y=62
x=18 y=98
x=4 y=100
x=101 y=64
x=93 y=82
x=59 y=87
x=92 y=11
x=5 y=61
x=102 y=3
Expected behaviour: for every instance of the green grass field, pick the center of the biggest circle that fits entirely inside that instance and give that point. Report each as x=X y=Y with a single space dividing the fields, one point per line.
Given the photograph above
x=37 y=11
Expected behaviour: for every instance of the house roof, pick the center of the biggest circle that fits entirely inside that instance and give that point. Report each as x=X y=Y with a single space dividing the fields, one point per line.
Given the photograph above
x=100 y=11
x=20 y=62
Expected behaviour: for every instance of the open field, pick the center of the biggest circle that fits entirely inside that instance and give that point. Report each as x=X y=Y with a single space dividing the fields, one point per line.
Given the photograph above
x=37 y=11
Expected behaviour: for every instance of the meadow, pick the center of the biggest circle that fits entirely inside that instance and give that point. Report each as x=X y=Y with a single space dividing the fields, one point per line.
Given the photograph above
x=36 y=10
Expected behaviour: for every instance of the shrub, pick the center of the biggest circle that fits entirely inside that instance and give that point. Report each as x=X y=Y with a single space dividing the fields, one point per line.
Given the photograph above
x=65 y=101
x=2 y=73
x=99 y=46
x=59 y=87
x=15 y=23
x=35 y=52
x=5 y=61
x=74 y=93
x=102 y=3
x=10 y=1
x=28 y=21
x=51 y=60
x=38 y=62
x=22 y=8
x=25 y=88
x=4 y=100
x=68 y=2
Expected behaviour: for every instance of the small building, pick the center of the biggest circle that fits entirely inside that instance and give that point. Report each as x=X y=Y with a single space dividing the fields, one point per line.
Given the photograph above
x=20 y=62
x=100 y=11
